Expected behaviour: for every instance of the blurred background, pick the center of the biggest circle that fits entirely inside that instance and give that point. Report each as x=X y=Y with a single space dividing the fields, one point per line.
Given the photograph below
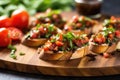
x=33 y=6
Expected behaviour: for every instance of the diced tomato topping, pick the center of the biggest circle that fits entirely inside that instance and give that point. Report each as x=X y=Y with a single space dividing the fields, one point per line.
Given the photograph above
x=34 y=35
x=106 y=55
x=41 y=28
x=59 y=43
x=117 y=33
x=111 y=36
x=103 y=39
x=98 y=40
x=75 y=19
x=46 y=48
x=113 y=19
x=68 y=28
x=79 y=25
x=86 y=39
x=78 y=42
x=60 y=37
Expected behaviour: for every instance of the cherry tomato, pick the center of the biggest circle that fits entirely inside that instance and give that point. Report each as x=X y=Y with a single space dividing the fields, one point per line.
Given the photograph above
x=20 y=19
x=59 y=43
x=5 y=39
x=14 y=33
x=5 y=22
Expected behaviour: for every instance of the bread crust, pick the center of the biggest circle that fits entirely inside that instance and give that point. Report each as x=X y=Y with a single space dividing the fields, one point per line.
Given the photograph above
x=98 y=48
x=80 y=52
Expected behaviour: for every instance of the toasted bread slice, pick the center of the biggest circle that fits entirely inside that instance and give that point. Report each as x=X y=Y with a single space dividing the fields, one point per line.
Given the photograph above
x=80 y=52
x=98 y=48
x=112 y=48
x=52 y=56
x=34 y=42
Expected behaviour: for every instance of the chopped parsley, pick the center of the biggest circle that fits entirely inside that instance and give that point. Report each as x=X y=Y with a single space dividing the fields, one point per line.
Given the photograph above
x=21 y=53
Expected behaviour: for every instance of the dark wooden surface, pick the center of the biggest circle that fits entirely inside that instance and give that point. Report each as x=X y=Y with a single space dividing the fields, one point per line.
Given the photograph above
x=112 y=7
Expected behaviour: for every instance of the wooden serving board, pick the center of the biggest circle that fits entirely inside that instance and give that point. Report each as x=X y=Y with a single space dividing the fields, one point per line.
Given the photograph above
x=86 y=66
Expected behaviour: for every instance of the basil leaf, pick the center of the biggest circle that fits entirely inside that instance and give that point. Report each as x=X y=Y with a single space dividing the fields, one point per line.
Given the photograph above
x=69 y=36
x=51 y=28
x=71 y=44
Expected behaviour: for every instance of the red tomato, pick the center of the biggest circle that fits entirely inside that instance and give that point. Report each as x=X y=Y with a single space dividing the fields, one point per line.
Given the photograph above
x=75 y=19
x=20 y=19
x=58 y=43
x=15 y=34
x=46 y=48
x=60 y=37
x=67 y=28
x=111 y=36
x=98 y=40
x=5 y=40
x=106 y=55
x=34 y=35
x=103 y=39
x=5 y=22
x=117 y=33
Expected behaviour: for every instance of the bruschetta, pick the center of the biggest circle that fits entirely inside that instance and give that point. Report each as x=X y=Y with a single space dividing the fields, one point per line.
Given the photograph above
x=80 y=25
x=105 y=41
x=53 y=17
x=64 y=47
x=112 y=22
x=38 y=35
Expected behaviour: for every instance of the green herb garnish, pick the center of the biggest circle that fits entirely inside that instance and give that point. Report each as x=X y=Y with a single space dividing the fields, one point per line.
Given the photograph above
x=38 y=25
x=47 y=35
x=13 y=50
x=106 y=22
x=69 y=36
x=22 y=53
x=53 y=12
x=51 y=28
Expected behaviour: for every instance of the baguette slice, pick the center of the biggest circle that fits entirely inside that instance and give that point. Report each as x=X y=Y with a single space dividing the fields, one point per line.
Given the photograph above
x=54 y=56
x=80 y=52
x=98 y=48
x=34 y=42
x=112 y=48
